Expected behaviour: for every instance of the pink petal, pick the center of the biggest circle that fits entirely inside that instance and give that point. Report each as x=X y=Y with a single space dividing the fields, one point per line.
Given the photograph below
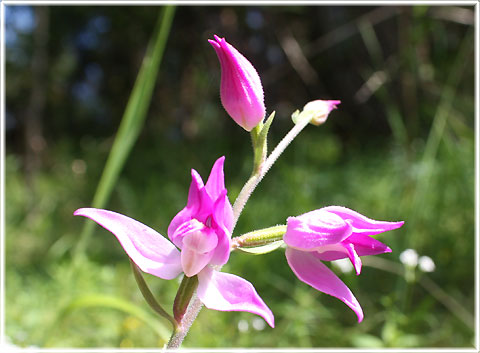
x=198 y=248
x=193 y=262
x=215 y=183
x=330 y=252
x=227 y=292
x=362 y=224
x=313 y=272
x=192 y=205
x=148 y=249
x=199 y=205
x=223 y=212
x=330 y=255
x=315 y=229
x=365 y=245
x=222 y=251
x=190 y=226
x=202 y=240
x=241 y=90
x=354 y=258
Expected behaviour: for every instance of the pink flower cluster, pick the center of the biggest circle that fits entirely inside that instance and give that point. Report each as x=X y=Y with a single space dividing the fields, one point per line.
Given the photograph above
x=200 y=234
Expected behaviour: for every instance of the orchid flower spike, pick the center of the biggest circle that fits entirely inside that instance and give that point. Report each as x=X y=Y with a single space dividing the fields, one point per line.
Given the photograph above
x=202 y=232
x=328 y=234
x=241 y=90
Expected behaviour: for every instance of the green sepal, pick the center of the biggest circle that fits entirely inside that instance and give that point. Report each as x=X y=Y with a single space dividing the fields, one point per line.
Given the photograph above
x=259 y=142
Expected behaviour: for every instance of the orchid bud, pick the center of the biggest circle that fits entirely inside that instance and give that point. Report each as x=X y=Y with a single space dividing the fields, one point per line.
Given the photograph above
x=318 y=109
x=241 y=90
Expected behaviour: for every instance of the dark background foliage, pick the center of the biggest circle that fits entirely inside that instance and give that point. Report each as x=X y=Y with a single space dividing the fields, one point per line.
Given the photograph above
x=400 y=147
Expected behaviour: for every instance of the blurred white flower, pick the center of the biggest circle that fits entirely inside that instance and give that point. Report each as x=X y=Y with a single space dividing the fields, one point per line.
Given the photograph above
x=409 y=257
x=426 y=264
x=258 y=324
x=344 y=265
x=243 y=326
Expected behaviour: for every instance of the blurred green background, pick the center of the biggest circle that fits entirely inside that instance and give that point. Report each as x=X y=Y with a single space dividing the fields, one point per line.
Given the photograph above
x=400 y=147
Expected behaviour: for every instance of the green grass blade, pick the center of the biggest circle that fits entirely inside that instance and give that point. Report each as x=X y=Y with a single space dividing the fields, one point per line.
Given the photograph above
x=106 y=301
x=132 y=120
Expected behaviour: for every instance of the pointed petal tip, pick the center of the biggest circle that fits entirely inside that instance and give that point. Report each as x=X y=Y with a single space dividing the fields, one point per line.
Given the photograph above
x=360 y=316
x=214 y=44
x=86 y=211
x=197 y=178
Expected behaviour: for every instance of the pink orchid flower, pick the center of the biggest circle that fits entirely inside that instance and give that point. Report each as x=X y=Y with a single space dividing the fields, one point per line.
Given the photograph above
x=202 y=232
x=328 y=234
x=241 y=90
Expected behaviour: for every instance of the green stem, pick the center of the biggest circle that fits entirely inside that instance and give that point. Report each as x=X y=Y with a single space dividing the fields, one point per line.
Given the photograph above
x=149 y=298
x=258 y=175
x=259 y=171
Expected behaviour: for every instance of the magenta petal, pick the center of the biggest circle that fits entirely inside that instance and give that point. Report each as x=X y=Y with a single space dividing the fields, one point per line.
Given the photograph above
x=193 y=202
x=330 y=255
x=354 y=258
x=315 y=229
x=227 y=292
x=216 y=181
x=148 y=249
x=313 y=272
x=360 y=223
x=365 y=245
x=223 y=212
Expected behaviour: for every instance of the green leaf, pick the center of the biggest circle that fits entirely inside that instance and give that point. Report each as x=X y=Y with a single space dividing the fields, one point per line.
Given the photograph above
x=99 y=300
x=262 y=249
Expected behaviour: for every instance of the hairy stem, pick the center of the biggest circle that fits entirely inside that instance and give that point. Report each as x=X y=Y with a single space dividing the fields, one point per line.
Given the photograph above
x=260 y=237
x=257 y=177
x=179 y=334
x=259 y=171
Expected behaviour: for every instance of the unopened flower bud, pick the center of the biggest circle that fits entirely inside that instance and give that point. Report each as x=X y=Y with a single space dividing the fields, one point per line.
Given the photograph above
x=241 y=90
x=318 y=109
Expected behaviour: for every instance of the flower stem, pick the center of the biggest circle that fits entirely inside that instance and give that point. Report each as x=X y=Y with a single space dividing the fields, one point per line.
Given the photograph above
x=260 y=237
x=261 y=167
x=179 y=334
x=259 y=173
